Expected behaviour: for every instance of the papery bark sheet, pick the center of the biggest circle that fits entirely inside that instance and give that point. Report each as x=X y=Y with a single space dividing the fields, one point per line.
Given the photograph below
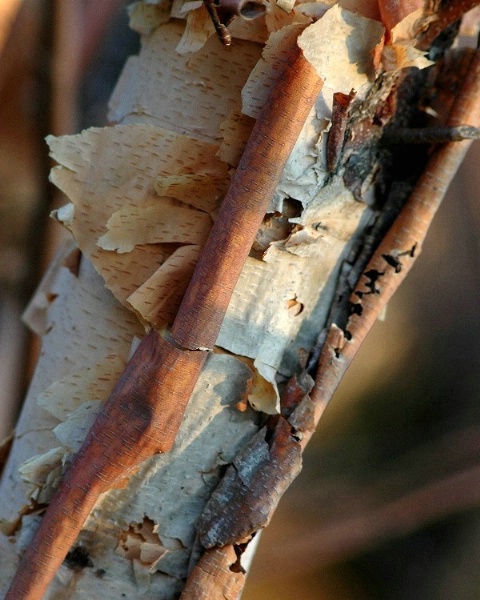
x=144 y=194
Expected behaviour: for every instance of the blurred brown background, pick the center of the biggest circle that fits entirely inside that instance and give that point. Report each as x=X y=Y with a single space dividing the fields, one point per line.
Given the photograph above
x=388 y=502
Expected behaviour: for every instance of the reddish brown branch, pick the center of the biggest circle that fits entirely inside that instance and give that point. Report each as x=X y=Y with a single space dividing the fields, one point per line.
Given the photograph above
x=140 y=418
x=215 y=577
x=143 y=414
x=399 y=249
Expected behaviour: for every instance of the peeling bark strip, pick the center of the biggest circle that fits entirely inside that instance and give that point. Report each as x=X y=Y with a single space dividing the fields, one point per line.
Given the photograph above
x=215 y=577
x=144 y=412
x=249 y=492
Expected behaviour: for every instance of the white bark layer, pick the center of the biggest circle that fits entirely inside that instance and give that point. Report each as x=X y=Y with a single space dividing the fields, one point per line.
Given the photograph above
x=179 y=130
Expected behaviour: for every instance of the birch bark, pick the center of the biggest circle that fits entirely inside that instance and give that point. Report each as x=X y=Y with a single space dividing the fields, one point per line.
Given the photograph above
x=144 y=194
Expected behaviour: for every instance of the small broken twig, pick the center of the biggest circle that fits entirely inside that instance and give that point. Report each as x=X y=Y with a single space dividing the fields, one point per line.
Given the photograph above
x=222 y=13
x=429 y=135
x=222 y=30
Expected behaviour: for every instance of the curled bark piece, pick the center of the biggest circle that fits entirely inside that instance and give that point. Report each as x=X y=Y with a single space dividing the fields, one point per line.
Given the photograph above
x=249 y=492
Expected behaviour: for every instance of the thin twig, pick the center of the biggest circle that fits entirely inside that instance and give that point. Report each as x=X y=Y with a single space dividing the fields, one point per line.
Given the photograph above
x=222 y=30
x=144 y=411
x=429 y=135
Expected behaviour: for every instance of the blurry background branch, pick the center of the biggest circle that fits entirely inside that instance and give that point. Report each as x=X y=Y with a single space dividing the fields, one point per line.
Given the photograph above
x=50 y=51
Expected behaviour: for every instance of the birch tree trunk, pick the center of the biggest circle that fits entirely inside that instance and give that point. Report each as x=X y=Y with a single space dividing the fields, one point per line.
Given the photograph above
x=144 y=194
